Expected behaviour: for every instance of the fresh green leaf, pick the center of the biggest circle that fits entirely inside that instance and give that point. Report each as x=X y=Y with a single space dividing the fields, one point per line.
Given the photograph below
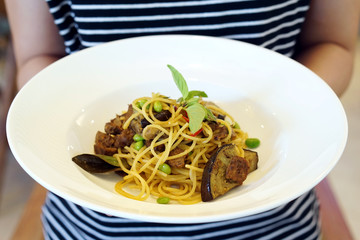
x=191 y=101
x=209 y=115
x=179 y=81
x=180 y=100
x=196 y=93
x=196 y=114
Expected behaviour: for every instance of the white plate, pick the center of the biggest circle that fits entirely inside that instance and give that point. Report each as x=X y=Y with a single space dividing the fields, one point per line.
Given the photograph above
x=300 y=121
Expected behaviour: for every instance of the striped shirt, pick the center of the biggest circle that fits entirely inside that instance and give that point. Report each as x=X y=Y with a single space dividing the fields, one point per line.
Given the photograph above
x=296 y=220
x=274 y=24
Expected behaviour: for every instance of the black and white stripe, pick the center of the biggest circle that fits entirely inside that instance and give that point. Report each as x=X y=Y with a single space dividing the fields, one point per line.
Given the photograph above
x=272 y=24
x=295 y=220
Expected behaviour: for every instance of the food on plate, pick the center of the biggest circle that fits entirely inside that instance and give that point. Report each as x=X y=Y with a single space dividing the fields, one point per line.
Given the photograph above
x=98 y=163
x=226 y=170
x=186 y=150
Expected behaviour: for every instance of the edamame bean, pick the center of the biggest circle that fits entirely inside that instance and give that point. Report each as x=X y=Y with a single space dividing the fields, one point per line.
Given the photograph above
x=163 y=200
x=157 y=106
x=165 y=168
x=137 y=137
x=138 y=145
x=142 y=102
x=252 y=142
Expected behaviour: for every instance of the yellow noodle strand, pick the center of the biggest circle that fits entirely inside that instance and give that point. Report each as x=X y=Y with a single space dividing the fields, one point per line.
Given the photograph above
x=183 y=184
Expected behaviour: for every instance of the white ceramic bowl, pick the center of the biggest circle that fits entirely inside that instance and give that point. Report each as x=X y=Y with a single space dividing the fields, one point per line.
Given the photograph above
x=300 y=121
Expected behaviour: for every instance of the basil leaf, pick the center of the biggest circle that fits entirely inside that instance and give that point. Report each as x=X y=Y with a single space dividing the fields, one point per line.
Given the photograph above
x=196 y=93
x=192 y=101
x=209 y=115
x=196 y=114
x=179 y=81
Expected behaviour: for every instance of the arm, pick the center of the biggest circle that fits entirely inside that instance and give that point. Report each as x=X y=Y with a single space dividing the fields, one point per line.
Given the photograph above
x=328 y=41
x=36 y=40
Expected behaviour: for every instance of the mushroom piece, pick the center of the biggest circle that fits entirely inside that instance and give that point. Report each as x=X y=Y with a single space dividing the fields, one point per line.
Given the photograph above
x=226 y=170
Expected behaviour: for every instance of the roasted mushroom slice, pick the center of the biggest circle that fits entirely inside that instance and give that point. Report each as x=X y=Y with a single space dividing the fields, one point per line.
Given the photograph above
x=224 y=171
x=98 y=163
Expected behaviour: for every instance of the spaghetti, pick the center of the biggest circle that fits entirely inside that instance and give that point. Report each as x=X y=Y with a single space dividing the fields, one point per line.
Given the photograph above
x=171 y=142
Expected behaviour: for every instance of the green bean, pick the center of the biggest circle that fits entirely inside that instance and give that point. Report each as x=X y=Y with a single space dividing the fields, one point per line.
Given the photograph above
x=252 y=142
x=157 y=106
x=165 y=168
x=163 y=200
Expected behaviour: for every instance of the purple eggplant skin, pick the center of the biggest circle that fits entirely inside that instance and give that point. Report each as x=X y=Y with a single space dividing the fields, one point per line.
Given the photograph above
x=215 y=181
x=253 y=159
x=93 y=164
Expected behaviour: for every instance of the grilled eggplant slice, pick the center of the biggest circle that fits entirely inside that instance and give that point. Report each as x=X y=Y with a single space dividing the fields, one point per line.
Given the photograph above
x=226 y=170
x=252 y=158
x=96 y=163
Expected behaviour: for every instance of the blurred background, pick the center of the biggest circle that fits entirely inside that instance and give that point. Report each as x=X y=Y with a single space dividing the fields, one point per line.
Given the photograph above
x=16 y=186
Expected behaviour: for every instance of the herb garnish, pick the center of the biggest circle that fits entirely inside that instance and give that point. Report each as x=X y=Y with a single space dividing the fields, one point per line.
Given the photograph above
x=191 y=101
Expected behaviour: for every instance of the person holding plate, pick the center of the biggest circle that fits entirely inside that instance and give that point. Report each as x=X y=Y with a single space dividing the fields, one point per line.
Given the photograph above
x=319 y=34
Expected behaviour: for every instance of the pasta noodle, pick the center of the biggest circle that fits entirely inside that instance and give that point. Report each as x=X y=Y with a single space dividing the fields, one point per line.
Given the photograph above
x=174 y=136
